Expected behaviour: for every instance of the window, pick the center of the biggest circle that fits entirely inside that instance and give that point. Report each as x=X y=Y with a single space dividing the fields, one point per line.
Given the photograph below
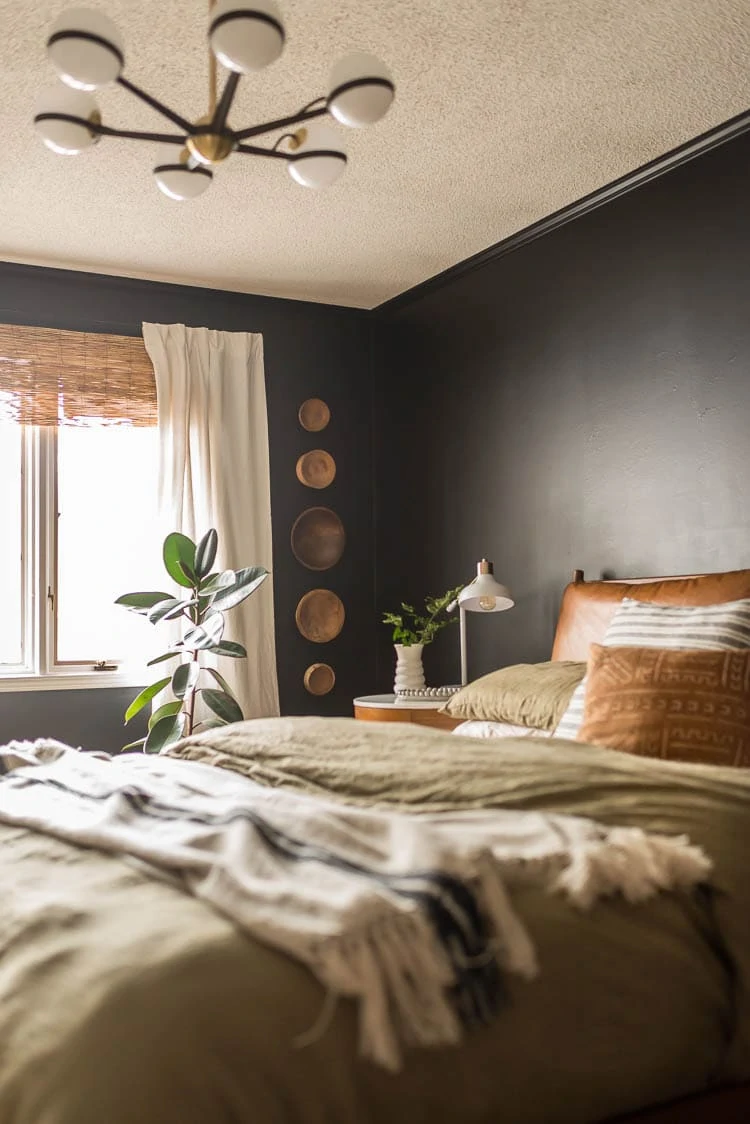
x=78 y=519
x=11 y=551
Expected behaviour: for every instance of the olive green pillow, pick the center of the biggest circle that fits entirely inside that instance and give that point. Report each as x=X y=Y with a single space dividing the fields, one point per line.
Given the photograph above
x=526 y=694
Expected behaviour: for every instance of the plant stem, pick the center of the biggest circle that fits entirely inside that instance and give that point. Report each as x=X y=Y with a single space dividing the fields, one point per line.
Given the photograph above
x=191 y=706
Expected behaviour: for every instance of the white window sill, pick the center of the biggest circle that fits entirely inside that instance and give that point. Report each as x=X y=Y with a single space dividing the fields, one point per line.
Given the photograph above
x=74 y=680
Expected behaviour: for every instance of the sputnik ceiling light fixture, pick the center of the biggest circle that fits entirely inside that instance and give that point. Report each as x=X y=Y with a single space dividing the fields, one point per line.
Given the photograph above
x=86 y=50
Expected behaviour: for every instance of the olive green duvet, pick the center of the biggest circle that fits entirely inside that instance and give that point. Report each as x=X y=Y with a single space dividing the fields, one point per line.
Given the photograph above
x=125 y=1001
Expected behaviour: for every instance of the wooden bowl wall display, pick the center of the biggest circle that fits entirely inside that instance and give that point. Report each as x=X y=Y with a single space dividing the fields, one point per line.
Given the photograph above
x=316 y=469
x=318 y=538
x=320 y=616
x=314 y=415
x=319 y=678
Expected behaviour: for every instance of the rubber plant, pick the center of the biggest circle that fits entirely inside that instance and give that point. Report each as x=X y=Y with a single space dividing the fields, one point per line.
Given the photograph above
x=207 y=596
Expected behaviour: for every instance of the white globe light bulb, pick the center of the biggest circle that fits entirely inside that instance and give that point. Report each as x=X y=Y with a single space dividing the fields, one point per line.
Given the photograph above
x=320 y=159
x=176 y=178
x=361 y=90
x=63 y=118
x=246 y=37
x=85 y=49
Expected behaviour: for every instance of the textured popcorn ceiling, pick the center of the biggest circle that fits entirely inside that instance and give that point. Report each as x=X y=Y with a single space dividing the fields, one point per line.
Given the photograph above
x=506 y=110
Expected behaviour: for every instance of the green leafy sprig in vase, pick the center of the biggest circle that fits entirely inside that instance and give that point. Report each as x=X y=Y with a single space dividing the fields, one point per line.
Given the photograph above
x=208 y=596
x=412 y=630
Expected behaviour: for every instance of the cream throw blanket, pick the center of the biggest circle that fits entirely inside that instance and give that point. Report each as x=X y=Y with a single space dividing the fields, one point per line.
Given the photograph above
x=411 y=916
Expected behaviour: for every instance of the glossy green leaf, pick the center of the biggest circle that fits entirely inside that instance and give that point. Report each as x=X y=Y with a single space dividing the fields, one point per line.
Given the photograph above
x=216 y=582
x=133 y=745
x=164 y=656
x=140 y=602
x=166 y=731
x=229 y=648
x=205 y=553
x=210 y=724
x=185 y=678
x=222 y=705
x=146 y=695
x=205 y=635
x=246 y=582
x=179 y=558
x=168 y=609
x=221 y=681
x=165 y=711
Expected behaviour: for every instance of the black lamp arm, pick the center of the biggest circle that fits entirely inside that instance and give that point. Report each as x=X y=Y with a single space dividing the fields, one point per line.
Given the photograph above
x=281 y=123
x=129 y=134
x=164 y=110
x=221 y=113
x=253 y=150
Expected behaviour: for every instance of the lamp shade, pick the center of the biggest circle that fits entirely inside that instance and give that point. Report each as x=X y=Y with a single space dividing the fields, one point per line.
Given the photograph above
x=246 y=37
x=176 y=178
x=62 y=118
x=484 y=594
x=85 y=48
x=361 y=90
x=319 y=160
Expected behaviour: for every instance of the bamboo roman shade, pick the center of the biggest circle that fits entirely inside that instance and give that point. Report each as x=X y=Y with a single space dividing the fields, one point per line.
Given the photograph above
x=51 y=377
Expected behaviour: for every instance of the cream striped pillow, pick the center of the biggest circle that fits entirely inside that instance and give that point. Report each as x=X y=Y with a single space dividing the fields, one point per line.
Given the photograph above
x=641 y=624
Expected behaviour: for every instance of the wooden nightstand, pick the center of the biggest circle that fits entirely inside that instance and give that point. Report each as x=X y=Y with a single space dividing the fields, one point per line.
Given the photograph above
x=383 y=708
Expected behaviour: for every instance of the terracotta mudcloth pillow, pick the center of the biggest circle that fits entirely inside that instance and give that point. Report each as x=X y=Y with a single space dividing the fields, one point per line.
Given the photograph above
x=678 y=705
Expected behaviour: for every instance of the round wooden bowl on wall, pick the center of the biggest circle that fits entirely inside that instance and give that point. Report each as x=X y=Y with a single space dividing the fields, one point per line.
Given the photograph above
x=316 y=469
x=314 y=415
x=320 y=616
x=318 y=538
x=319 y=678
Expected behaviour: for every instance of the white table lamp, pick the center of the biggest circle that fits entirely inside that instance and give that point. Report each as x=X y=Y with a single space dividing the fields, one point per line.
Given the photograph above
x=483 y=595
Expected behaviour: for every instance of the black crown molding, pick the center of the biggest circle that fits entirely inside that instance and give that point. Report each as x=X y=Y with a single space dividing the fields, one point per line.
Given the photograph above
x=722 y=134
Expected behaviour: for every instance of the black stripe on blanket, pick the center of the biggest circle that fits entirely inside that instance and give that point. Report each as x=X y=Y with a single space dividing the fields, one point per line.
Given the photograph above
x=449 y=904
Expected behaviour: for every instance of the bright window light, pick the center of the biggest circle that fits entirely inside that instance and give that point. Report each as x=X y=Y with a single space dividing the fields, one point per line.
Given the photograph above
x=108 y=543
x=11 y=544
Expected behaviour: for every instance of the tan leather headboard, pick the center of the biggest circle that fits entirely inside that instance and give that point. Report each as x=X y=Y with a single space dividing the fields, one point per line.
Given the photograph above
x=588 y=607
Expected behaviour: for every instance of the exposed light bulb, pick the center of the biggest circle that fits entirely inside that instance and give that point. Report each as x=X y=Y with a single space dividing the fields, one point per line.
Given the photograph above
x=487 y=604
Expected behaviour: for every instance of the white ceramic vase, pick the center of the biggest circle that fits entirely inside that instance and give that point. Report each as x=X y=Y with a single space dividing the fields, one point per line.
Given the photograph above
x=409 y=669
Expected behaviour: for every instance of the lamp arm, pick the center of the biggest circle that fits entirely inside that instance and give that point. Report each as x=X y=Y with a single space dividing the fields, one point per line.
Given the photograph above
x=221 y=112
x=280 y=123
x=253 y=150
x=128 y=134
x=164 y=110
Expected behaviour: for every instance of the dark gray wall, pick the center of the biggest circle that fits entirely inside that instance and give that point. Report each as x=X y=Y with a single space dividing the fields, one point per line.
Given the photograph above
x=583 y=401
x=310 y=350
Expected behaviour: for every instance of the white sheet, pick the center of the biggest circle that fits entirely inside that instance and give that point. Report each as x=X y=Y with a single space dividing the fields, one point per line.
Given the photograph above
x=479 y=729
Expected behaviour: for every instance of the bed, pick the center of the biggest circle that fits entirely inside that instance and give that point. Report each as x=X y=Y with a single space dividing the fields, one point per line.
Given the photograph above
x=123 y=999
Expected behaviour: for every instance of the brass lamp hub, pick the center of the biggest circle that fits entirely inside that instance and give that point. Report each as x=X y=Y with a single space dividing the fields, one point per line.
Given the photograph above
x=95 y=120
x=296 y=140
x=208 y=147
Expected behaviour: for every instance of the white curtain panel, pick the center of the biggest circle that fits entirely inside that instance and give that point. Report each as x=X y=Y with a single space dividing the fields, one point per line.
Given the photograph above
x=214 y=472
